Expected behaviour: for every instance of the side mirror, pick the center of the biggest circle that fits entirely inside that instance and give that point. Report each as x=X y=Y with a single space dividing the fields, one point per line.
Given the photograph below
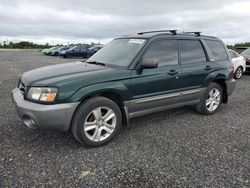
x=149 y=63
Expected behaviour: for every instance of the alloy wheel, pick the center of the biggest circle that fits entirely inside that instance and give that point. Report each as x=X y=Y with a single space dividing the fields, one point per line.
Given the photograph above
x=100 y=124
x=239 y=73
x=213 y=99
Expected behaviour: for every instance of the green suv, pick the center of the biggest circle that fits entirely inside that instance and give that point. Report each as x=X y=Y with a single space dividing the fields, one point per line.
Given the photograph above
x=130 y=76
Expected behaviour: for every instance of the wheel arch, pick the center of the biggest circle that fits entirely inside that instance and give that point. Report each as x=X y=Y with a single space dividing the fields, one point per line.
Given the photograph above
x=117 y=98
x=222 y=83
x=116 y=95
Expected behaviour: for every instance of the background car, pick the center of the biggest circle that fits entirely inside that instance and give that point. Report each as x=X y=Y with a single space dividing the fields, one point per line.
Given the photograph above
x=56 y=51
x=246 y=55
x=95 y=48
x=77 y=51
x=240 y=49
x=239 y=64
x=48 y=50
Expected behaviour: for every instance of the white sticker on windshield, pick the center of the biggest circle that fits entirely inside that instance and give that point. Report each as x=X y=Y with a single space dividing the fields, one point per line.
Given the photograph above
x=137 y=41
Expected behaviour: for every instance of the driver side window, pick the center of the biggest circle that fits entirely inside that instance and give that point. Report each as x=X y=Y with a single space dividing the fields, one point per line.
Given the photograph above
x=165 y=51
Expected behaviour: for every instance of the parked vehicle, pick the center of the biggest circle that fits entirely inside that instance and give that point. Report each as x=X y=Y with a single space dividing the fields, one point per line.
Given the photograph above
x=129 y=77
x=76 y=51
x=95 y=48
x=48 y=50
x=239 y=64
x=56 y=51
x=246 y=55
x=240 y=49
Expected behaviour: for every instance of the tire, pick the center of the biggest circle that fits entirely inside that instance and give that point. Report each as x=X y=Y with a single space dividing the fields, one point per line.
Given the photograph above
x=238 y=73
x=92 y=129
x=206 y=108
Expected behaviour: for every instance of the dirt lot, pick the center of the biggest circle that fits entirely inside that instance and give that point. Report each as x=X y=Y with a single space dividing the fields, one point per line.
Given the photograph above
x=172 y=148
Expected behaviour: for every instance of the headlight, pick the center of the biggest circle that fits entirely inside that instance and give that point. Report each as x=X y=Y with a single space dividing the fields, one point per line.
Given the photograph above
x=43 y=94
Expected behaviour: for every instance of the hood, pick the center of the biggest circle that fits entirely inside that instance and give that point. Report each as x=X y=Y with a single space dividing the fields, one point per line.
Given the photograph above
x=50 y=74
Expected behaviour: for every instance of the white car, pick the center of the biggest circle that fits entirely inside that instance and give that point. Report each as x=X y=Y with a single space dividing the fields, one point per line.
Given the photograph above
x=239 y=64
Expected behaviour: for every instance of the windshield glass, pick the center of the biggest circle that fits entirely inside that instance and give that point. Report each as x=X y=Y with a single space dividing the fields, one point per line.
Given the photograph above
x=72 y=48
x=246 y=52
x=118 y=52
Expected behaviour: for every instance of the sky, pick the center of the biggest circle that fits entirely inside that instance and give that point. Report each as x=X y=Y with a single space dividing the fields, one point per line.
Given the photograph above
x=85 y=21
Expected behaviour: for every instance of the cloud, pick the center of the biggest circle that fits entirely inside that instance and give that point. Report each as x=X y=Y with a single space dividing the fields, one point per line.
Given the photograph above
x=82 y=20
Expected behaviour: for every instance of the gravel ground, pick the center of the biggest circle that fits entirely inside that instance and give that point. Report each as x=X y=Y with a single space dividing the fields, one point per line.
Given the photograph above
x=172 y=148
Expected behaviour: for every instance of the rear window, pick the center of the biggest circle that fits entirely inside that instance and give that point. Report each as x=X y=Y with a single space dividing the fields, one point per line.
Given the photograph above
x=218 y=50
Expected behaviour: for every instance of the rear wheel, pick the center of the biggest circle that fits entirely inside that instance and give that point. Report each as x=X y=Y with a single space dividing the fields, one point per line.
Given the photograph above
x=211 y=100
x=96 y=121
x=238 y=73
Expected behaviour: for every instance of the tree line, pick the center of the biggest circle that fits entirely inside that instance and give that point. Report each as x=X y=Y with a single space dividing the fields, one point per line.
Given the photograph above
x=24 y=45
x=31 y=45
x=246 y=44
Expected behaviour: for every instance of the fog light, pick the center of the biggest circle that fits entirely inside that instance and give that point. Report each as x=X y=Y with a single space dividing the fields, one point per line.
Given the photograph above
x=29 y=122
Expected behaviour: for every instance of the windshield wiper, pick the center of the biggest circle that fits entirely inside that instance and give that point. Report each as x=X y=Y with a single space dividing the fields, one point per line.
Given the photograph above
x=95 y=62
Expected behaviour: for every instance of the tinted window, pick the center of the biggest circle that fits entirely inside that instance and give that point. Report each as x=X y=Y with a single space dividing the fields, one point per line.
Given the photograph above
x=77 y=49
x=165 y=51
x=218 y=50
x=82 y=49
x=191 y=51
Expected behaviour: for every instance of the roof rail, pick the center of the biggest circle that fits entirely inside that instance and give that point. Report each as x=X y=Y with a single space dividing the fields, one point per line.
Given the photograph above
x=197 y=33
x=160 y=31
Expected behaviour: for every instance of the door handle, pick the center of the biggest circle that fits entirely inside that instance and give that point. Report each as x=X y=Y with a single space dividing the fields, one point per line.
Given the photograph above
x=172 y=73
x=207 y=68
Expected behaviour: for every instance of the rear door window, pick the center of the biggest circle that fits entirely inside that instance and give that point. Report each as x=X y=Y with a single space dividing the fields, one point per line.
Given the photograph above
x=191 y=51
x=165 y=51
x=218 y=50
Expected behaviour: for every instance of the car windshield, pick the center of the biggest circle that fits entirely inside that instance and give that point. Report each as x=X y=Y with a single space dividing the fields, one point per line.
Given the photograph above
x=246 y=52
x=118 y=52
x=72 y=48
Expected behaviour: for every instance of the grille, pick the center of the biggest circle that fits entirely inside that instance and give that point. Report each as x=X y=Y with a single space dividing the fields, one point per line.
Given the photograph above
x=21 y=87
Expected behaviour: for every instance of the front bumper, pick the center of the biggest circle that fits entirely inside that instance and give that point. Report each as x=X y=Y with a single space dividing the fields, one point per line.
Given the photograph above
x=230 y=86
x=56 y=116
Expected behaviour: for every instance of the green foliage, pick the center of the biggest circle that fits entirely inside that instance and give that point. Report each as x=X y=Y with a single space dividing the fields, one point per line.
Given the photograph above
x=24 y=45
x=246 y=44
x=31 y=45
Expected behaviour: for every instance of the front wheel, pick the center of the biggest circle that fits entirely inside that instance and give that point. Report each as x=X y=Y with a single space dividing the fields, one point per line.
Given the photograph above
x=96 y=121
x=211 y=100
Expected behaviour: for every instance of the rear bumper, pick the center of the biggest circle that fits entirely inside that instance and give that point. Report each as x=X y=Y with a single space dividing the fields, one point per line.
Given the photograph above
x=33 y=115
x=230 y=86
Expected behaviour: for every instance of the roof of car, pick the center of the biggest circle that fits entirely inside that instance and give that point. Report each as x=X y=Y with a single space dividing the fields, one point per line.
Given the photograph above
x=170 y=33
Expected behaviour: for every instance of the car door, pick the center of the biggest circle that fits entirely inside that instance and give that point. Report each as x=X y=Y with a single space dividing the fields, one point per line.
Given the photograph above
x=195 y=68
x=152 y=88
